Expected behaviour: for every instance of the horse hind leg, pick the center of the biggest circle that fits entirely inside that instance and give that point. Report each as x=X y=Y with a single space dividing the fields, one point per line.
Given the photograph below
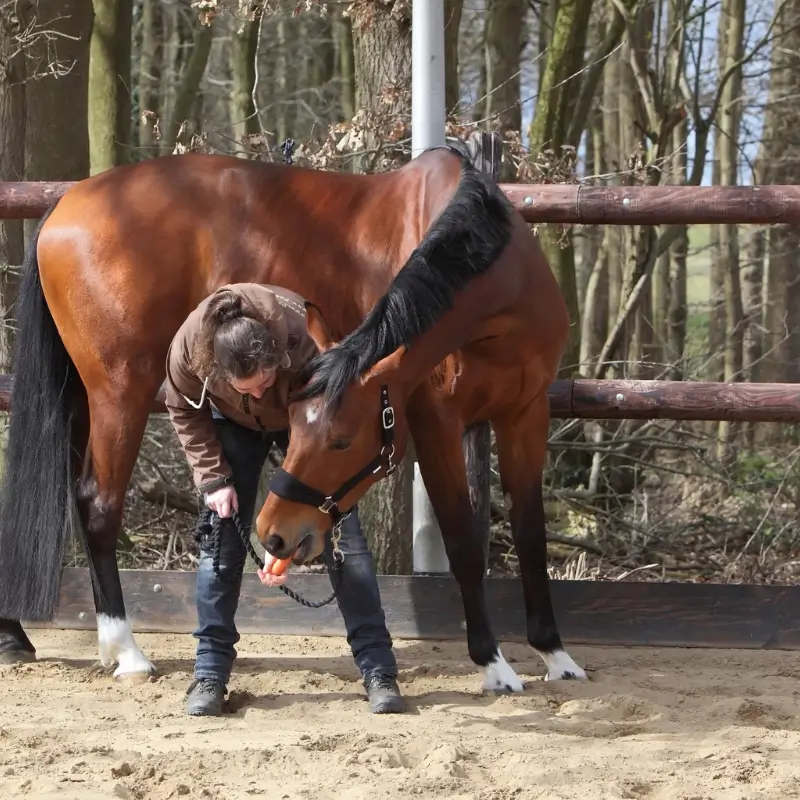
x=521 y=449
x=114 y=441
x=15 y=646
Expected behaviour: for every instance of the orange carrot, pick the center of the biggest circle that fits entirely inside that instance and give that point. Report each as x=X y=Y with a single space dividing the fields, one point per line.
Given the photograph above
x=276 y=566
x=280 y=566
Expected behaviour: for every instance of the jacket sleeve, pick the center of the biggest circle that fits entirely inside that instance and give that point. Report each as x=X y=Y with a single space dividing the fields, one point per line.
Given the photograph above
x=195 y=427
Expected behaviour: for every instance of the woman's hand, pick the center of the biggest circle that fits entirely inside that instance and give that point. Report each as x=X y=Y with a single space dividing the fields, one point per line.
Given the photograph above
x=223 y=501
x=276 y=570
x=272 y=580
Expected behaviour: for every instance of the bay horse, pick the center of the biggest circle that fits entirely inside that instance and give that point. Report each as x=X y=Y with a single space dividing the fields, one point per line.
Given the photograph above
x=122 y=258
x=472 y=329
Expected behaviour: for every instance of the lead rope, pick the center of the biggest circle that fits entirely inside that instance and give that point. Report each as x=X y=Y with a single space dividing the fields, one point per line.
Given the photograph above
x=212 y=522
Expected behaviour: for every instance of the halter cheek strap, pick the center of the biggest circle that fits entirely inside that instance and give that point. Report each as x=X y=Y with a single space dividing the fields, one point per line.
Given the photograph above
x=285 y=485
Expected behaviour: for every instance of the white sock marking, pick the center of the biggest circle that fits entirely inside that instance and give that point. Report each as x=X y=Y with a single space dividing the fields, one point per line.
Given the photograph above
x=116 y=644
x=560 y=666
x=499 y=676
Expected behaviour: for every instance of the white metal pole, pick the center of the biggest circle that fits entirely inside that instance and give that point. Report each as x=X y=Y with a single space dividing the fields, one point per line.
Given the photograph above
x=428 y=553
x=427 y=130
x=427 y=75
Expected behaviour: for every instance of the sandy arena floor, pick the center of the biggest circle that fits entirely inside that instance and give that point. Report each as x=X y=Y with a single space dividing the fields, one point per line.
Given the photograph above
x=649 y=724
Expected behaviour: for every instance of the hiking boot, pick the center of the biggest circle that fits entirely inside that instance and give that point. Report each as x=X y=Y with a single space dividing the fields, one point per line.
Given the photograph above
x=204 y=698
x=384 y=695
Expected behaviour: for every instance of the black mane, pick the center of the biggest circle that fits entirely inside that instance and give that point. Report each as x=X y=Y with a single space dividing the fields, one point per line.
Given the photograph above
x=463 y=243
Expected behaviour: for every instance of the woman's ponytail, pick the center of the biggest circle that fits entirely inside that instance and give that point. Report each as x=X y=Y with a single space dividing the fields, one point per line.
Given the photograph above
x=233 y=341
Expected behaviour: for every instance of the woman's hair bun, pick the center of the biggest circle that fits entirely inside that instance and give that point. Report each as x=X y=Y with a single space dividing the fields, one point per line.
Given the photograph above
x=228 y=307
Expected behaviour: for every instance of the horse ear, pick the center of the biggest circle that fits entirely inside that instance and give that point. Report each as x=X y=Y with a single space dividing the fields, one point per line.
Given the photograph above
x=317 y=328
x=389 y=366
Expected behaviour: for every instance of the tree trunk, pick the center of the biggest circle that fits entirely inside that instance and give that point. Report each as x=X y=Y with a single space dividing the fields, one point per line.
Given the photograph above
x=344 y=47
x=109 y=84
x=382 y=53
x=12 y=165
x=548 y=130
x=613 y=235
x=55 y=151
x=343 y=37
x=781 y=144
x=594 y=309
x=382 y=50
x=752 y=287
x=634 y=121
x=386 y=517
x=661 y=297
x=244 y=51
x=505 y=31
x=150 y=65
x=678 y=309
x=752 y=280
x=191 y=76
x=321 y=69
x=284 y=82
x=452 y=25
x=172 y=42
x=715 y=368
x=732 y=21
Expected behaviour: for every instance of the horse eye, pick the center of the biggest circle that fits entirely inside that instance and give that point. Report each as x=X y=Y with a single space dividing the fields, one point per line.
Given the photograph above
x=339 y=444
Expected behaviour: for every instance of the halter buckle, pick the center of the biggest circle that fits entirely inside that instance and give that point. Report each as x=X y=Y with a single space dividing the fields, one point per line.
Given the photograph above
x=388 y=418
x=326 y=507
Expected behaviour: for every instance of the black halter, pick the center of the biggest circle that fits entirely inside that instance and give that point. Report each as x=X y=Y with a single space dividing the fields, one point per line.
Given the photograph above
x=288 y=487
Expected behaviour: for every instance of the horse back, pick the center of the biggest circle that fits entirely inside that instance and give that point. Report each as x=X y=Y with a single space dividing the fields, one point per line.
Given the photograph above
x=137 y=247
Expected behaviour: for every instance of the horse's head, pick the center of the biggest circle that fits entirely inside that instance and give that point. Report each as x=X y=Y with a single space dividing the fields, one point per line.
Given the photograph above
x=348 y=430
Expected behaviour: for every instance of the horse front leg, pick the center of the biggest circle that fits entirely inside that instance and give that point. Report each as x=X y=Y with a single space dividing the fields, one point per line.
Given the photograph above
x=522 y=447
x=439 y=451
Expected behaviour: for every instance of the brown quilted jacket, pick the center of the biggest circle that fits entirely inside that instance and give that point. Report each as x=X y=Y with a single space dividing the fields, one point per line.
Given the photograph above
x=194 y=426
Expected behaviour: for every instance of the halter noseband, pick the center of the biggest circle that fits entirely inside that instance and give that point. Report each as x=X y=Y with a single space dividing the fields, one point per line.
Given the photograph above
x=288 y=487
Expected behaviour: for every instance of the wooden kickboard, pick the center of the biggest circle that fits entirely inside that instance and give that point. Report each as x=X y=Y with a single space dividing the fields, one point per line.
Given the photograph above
x=588 y=612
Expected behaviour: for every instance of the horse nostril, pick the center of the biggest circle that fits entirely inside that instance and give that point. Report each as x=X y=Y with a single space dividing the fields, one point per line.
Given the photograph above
x=274 y=545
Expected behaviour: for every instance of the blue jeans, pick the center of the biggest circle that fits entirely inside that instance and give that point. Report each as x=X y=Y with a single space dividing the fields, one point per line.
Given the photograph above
x=358 y=596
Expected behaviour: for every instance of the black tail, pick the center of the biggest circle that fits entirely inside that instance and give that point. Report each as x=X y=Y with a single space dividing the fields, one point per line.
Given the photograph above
x=36 y=509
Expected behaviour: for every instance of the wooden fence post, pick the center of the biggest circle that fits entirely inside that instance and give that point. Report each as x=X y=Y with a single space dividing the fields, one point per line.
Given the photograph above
x=487 y=150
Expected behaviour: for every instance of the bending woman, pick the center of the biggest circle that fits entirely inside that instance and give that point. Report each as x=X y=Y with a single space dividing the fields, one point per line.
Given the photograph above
x=229 y=369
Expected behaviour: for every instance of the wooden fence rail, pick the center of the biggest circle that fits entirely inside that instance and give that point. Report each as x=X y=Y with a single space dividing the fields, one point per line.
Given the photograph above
x=570 y=204
x=607 y=399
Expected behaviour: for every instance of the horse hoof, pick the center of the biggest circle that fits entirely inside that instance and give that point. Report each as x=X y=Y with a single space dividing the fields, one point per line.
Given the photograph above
x=561 y=667
x=134 y=678
x=500 y=678
x=9 y=657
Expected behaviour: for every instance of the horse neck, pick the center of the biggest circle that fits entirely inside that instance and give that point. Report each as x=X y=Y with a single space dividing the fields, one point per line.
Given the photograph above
x=455 y=329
